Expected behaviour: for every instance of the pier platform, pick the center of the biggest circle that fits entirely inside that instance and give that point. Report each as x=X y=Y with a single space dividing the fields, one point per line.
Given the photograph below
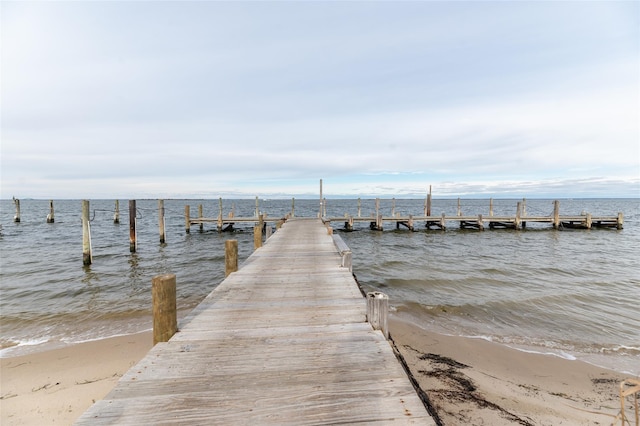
x=282 y=341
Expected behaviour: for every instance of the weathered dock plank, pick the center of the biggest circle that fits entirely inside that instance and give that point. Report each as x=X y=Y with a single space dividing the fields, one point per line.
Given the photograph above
x=283 y=341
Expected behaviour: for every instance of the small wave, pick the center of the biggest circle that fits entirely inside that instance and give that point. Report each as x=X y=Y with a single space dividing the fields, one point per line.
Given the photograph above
x=560 y=354
x=621 y=350
x=9 y=346
x=78 y=340
x=487 y=338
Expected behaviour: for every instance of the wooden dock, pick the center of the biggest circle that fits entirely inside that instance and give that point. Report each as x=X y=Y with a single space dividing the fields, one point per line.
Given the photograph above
x=282 y=341
x=518 y=221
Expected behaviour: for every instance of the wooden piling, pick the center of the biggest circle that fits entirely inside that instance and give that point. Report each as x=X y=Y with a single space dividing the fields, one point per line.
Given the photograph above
x=132 y=226
x=165 y=319
x=187 y=219
x=257 y=237
x=359 y=207
x=428 y=212
x=200 y=216
x=320 y=214
x=587 y=221
x=220 y=223
x=161 y=221
x=16 y=218
x=378 y=311
x=619 y=221
x=257 y=207
x=517 y=223
x=459 y=210
x=116 y=214
x=86 y=234
x=393 y=207
x=480 y=223
x=230 y=257
x=50 y=218
x=293 y=207
x=556 y=214
x=490 y=206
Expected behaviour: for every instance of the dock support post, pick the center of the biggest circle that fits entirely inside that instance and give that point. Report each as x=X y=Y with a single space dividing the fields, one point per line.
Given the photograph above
x=428 y=212
x=220 y=223
x=86 y=234
x=257 y=207
x=132 y=226
x=257 y=237
x=459 y=210
x=556 y=214
x=16 y=218
x=443 y=222
x=378 y=311
x=348 y=224
x=116 y=214
x=320 y=214
x=187 y=219
x=524 y=212
x=359 y=207
x=587 y=221
x=293 y=207
x=161 y=220
x=619 y=221
x=480 y=223
x=517 y=222
x=257 y=233
x=490 y=206
x=200 y=216
x=165 y=318
x=50 y=218
x=230 y=257
x=393 y=207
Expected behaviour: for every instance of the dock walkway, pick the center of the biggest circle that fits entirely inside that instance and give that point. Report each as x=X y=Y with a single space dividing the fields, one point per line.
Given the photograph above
x=282 y=341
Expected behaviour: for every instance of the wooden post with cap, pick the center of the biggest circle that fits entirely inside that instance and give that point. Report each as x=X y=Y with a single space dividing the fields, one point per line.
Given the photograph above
x=165 y=317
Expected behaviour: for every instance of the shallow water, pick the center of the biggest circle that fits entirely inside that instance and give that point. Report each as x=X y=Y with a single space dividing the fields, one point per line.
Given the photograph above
x=573 y=293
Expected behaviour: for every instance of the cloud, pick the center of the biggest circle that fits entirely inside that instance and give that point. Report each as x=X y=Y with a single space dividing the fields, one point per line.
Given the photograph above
x=209 y=97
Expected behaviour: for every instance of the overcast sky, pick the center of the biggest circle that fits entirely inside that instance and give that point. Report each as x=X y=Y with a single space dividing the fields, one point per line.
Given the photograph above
x=233 y=99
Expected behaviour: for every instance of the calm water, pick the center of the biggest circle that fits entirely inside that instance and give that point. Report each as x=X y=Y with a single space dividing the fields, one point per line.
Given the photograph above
x=572 y=293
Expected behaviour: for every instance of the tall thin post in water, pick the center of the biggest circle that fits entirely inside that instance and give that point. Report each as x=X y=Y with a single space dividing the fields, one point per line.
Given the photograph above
x=86 y=234
x=16 y=218
x=187 y=218
x=132 y=226
x=320 y=198
x=161 y=220
x=116 y=215
x=50 y=218
x=556 y=214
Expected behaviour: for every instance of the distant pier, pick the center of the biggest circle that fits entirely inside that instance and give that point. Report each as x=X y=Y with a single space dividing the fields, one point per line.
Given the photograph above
x=480 y=222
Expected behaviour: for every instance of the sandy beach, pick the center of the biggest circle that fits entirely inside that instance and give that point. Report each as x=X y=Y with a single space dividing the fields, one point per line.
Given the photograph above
x=477 y=382
x=467 y=381
x=57 y=386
